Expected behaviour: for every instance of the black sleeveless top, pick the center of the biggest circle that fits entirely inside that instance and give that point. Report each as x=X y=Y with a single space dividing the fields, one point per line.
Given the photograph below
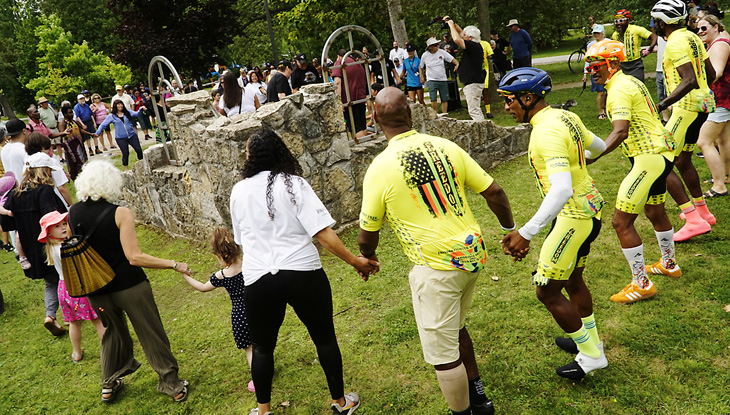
x=106 y=242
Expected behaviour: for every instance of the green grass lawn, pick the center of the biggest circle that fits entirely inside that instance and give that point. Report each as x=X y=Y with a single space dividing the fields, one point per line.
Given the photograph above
x=667 y=355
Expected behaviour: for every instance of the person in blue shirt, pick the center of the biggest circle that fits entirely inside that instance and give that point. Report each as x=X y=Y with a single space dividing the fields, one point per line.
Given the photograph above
x=521 y=44
x=413 y=80
x=124 y=131
x=83 y=113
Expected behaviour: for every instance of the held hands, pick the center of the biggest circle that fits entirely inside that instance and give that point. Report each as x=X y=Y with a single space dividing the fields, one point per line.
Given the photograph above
x=182 y=268
x=366 y=265
x=644 y=52
x=515 y=245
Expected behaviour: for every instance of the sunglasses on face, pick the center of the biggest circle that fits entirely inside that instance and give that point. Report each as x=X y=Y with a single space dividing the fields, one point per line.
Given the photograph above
x=596 y=66
x=702 y=28
x=619 y=21
x=509 y=99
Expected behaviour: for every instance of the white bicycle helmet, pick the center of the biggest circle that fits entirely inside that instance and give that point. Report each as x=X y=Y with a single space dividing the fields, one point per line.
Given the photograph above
x=669 y=11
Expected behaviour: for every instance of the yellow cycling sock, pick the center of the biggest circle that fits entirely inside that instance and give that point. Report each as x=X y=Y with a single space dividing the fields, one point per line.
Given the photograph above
x=488 y=107
x=699 y=201
x=687 y=207
x=590 y=325
x=585 y=345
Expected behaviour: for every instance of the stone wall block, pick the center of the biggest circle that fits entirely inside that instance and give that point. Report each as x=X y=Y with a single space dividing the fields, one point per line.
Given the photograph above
x=274 y=114
x=332 y=117
x=307 y=162
x=319 y=89
x=195 y=98
x=339 y=151
x=317 y=181
x=338 y=180
x=478 y=136
x=294 y=142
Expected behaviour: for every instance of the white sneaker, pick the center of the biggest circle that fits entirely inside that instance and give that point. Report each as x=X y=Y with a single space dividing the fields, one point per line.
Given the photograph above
x=582 y=365
x=352 y=402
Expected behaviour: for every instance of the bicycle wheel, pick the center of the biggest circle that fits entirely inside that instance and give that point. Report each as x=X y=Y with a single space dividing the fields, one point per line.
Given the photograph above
x=576 y=62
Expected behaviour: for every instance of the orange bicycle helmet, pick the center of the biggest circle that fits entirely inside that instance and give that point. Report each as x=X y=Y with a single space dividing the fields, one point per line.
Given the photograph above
x=607 y=49
x=623 y=13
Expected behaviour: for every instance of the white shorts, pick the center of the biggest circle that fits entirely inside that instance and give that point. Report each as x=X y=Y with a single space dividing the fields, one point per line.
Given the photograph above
x=721 y=115
x=440 y=302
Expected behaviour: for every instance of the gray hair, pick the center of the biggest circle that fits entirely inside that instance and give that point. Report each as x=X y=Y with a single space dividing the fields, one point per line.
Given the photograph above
x=473 y=32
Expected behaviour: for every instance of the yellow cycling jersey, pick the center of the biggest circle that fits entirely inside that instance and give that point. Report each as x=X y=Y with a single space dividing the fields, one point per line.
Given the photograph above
x=631 y=39
x=488 y=51
x=628 y=99
x=684 y=46
x=418 y=184
x=557 y=145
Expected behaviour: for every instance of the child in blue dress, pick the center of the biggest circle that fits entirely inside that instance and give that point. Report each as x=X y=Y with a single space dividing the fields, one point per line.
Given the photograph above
x=228 y=255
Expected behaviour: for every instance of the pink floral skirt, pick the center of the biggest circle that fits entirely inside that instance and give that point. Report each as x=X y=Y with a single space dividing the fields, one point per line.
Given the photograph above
x=73 y=308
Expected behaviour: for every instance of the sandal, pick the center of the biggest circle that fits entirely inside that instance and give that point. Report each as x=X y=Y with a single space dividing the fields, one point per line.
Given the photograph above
x=24 y=263
x=183 y=395
x=54 y=327
x=77 y=358
x=601 y=116
x=112 y=392
x=711 y=193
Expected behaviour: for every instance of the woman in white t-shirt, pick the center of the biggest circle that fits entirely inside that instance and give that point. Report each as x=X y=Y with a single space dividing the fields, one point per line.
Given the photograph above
x=275 y=214
x=255 y=94
x=231 y=102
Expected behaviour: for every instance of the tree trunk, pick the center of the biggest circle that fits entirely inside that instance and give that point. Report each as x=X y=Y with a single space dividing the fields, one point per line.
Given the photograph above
x=397 y=24
x=7 y=108
x=483 y=21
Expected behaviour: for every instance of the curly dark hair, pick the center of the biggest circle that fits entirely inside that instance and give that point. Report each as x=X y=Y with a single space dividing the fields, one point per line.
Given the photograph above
x=267 y=152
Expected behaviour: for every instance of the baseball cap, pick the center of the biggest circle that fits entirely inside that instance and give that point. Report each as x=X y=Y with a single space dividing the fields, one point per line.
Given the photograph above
x=85 y=91
x=14 y=127
x=301 y=57
x=79 y=96
x=48 y=220
x=119 y=88
x=598 y=28
x=42 y=100
x=410 y=48
x=42 y=159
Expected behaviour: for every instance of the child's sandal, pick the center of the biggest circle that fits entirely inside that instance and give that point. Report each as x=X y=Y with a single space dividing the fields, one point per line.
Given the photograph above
x=183 y=395
x=111 y=393
x=77 y=358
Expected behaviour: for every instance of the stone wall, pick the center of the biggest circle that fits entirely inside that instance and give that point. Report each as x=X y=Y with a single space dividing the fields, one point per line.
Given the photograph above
x=191 y=198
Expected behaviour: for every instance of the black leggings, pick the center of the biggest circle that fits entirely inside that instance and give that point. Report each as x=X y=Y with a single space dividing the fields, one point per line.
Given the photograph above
x=309 y=294
x=124 y=144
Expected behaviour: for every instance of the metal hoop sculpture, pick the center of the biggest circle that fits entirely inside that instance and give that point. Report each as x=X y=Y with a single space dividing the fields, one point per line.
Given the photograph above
x=155 y=83
x=364 y=60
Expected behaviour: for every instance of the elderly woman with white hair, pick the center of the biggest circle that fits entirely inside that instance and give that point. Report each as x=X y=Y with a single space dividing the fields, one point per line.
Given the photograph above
x=98 y=188
x=471 y=68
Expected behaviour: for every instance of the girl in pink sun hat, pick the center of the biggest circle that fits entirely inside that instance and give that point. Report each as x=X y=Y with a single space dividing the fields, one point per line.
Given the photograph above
x=54 y=230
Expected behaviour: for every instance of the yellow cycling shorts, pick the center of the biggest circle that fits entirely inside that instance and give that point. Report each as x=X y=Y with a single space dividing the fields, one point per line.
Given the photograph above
x=685 y=127
x=566 y=247
x=646 y=183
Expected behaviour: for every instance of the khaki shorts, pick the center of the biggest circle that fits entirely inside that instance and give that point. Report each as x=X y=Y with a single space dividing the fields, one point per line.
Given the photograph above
x=57 y=140
x=440 y=302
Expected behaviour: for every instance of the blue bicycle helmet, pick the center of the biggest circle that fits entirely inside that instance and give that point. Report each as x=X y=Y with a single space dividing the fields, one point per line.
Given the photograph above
x=524 y=80
x=521 y=81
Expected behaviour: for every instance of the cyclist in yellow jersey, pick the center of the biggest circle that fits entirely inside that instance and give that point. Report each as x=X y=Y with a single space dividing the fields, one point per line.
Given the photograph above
x=557 y=155
x=488 y=52
x=419 y=184
x=631 y=36
x=686 y=71
x=650 y=148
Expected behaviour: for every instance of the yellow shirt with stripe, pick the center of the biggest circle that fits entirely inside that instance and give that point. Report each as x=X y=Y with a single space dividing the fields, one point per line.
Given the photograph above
x=557 y=144
x=488 y=51
x=629 y=100
x=418 y=184
x=684 y=46
x=631 y=39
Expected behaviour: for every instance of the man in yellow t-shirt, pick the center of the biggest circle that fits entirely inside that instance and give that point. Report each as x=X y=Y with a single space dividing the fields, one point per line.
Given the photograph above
x=571 y=203
x=650 y=148
x=686 y=71
x=488 y=53
x=418 y=183
x=631 y=36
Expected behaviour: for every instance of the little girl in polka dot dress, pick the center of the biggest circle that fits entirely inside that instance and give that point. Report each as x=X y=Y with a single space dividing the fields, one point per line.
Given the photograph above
x=228 y=254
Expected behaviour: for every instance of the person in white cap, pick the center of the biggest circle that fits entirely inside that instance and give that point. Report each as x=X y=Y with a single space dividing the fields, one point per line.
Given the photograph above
x=34 y=199
x=433 y=60
x=520 y=43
